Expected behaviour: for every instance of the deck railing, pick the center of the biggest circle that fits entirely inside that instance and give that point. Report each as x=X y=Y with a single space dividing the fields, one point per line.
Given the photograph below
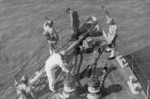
x=134 y=65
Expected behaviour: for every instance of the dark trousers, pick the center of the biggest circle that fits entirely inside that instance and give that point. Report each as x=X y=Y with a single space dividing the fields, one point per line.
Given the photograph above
x=75 y=34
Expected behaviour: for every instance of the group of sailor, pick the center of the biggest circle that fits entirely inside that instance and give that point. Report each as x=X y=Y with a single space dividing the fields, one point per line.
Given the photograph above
x=57 y=59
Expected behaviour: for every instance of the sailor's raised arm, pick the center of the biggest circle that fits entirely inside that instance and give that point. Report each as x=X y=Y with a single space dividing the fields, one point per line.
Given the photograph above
x=45 y=26
x=71 y=19
x=109 y=19
x=106 y=11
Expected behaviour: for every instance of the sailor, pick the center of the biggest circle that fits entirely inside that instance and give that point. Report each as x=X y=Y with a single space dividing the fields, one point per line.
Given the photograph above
x=86 y=44
x=89 y=43
x=24 y=90
x=51 y=35
x=111 y=35
x=54 y=61
x=93 y=22
x=74 y=18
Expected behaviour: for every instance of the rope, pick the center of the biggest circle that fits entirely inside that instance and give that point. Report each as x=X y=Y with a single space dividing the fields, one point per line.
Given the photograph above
x=132 y=56
x=36 y=51
x=34 y=54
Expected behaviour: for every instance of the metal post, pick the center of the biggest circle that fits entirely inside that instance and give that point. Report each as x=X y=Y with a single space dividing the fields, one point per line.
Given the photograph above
x=148 y=89
x=69 y=89
x=36 y=60
x=61 y=38
x=94 y=88
x=132 y=63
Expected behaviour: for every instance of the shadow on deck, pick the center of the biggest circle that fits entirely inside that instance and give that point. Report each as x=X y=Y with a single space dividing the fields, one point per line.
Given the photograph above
x=115 y=88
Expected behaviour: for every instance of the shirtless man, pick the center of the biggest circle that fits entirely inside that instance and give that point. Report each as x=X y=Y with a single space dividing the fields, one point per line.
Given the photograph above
x=51 y=35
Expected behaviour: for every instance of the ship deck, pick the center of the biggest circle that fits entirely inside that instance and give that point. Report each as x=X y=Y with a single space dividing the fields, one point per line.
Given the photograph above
x=115 y=86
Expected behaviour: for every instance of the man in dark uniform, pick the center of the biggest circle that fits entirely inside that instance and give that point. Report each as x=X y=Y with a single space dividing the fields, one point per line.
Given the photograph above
x=74 y=18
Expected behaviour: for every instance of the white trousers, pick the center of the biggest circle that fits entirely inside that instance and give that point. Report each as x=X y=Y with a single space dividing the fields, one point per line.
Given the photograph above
x=51 y=78
x=110 y=39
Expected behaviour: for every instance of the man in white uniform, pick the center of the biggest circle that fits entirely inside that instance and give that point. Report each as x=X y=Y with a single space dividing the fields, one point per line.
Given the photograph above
x=52 y=63
x=111 y=35
x=51 y=35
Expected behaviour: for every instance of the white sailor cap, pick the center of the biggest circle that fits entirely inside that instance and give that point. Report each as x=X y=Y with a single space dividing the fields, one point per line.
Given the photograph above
x=24 y=78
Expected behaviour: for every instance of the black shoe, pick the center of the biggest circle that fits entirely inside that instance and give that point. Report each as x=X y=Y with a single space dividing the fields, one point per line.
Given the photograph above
x=110 y=58
x=74 y=37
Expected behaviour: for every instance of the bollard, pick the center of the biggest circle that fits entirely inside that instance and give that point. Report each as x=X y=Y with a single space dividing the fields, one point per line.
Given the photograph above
x=69 y=89
x=94 y=88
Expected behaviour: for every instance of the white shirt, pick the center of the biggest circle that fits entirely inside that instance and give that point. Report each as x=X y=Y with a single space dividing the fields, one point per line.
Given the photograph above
x=112 y=33
x=54 y=61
